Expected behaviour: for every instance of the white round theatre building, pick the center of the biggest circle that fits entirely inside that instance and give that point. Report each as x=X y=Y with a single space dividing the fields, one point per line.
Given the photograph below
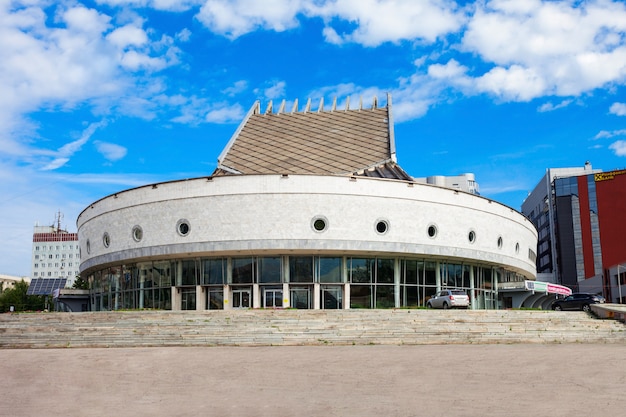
x=306 y=209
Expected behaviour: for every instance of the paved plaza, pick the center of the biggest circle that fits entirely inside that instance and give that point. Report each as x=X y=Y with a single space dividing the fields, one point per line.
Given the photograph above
x=431 y=380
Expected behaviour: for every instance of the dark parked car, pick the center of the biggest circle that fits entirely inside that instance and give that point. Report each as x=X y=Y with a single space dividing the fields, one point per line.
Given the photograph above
x=577 y=301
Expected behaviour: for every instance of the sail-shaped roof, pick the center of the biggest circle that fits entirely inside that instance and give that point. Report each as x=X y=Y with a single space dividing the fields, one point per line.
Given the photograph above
x=322 y=142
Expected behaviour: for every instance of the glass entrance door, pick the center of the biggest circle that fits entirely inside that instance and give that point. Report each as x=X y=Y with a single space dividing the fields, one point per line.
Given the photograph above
x=241 y=298
x=215 y=299
x=331 y=298
x=272 y=298
x=301 y=298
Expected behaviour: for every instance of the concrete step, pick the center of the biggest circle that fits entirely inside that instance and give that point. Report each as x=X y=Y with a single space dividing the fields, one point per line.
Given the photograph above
x=299 y=327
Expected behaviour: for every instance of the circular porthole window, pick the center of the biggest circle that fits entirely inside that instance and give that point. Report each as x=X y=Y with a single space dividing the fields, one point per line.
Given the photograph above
x=106 y=240
x=432 y=231
x=137 y=233
x=182 y=227
x=319 y=223
x=500 y=242
x=88 y=245
x=382 y=227
x=471 y=236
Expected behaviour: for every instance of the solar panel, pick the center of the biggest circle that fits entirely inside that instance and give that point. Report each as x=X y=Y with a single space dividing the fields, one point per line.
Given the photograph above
x=45 y=286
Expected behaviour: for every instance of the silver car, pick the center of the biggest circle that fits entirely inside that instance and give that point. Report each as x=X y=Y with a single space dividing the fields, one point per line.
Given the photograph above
x=449 y=299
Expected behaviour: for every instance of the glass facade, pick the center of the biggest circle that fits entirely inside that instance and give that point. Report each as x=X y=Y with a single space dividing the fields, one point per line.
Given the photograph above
x=303 y=282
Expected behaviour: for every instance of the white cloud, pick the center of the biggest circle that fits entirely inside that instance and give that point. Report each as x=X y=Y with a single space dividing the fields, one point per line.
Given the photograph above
x=225 y=114
x=238 y=87
x=376 y=21
x=184 y=35
x=167 y=5
x=234 y=18
x=618 y=109
x=514 y=83
x=81 y=58
x=549 y=106
x=331 y=36
x=547 y=48
x=195 y=110
x=388 y=21
x=275 y=91
x=451 y=70
x=129 y=35
x=609 y=134
x=111 y=151
x=65 y=152
x=619 y=147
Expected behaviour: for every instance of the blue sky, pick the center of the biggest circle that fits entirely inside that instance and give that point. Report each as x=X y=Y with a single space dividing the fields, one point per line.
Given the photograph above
x=104 y=95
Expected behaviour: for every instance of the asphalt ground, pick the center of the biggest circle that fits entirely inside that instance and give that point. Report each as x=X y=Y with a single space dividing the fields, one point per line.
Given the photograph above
x=432 y=380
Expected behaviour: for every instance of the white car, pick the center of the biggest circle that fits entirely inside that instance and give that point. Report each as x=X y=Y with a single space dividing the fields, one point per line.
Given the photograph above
x=449 y=299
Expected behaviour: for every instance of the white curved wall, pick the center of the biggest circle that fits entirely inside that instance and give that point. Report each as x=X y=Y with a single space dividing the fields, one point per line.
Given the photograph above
x=245 y=214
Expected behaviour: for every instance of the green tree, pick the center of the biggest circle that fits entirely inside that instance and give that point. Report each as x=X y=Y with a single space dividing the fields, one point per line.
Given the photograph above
x=80 y=284
x=17 y=298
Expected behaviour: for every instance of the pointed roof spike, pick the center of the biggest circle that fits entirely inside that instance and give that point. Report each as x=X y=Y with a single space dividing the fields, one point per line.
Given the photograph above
x=307 y=108
x=321 y=107
x=347 y=103
x=269 y=107
x=375 y=103
x=392 y=139
x=294 y=109
x=281 y=109
x=334 y=104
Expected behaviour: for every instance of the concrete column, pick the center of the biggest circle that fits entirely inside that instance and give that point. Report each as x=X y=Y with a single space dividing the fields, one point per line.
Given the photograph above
x=286 y=296
x=472 y=288
x=256 y=296
x=346 y=296
x=397 y=276
x=200 y=297
x=317 y=295
x=227 y=304
x=177 y=299
x=438 y=275
x=142 y=280
x=179 y=273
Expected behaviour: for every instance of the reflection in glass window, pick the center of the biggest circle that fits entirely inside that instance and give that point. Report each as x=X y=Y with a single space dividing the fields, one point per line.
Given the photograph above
x=186 y=273
x=430 y=273
x=330 y=270
x=213 y=271
x=300 y=269
x=361 y=296
x=385 y=296
x=360 y=269
x=270 y=269
x=384 y=271
x=242 y=271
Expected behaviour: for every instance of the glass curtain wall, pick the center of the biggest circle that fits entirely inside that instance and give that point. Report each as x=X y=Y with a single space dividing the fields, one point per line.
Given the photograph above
x=213 y=278
x=371 y=283
x=148 y=285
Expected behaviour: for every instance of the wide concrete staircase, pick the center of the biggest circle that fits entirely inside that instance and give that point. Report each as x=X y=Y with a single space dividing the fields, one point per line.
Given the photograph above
x=303 y=327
